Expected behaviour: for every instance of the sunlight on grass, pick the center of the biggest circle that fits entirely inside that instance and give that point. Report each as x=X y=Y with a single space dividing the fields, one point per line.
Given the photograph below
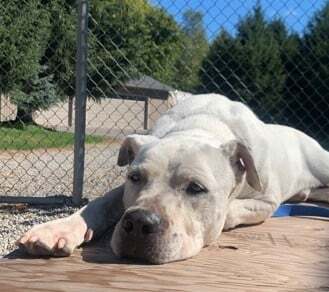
x=27 y=137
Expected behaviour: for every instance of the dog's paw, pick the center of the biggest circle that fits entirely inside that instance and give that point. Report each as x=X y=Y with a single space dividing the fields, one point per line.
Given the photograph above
x=229 y=224
x=55 y=238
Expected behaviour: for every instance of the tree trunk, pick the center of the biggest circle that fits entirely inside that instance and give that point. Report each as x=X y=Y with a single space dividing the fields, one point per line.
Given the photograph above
x=24 y=116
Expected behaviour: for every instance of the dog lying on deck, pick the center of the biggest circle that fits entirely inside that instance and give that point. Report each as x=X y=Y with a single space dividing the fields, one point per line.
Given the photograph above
x=208 y=165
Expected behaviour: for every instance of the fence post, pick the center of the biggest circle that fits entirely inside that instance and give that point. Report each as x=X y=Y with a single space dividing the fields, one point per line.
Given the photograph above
x=70 y=111
x=146 y=113
x=80 y=101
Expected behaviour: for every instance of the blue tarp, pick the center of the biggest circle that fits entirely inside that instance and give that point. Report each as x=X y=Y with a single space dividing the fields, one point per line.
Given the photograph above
x=301 y=210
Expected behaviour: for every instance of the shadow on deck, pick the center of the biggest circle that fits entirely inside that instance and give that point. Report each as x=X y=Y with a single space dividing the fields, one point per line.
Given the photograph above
x=283 y=254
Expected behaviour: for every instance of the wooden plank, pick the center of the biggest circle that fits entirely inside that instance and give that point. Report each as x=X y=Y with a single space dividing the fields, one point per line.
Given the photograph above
x=283 y=254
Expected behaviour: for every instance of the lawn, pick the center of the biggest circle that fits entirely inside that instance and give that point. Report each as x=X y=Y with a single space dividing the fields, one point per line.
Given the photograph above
x=27 y=137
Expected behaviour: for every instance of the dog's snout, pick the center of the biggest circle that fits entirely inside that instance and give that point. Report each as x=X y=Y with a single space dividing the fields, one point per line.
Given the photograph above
x=141 y=222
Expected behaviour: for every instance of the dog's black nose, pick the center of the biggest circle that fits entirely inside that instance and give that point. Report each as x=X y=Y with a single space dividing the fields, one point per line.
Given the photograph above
x=141 y=222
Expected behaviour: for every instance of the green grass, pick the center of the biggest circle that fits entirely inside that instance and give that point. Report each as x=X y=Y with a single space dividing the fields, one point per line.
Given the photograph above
x=27 y=137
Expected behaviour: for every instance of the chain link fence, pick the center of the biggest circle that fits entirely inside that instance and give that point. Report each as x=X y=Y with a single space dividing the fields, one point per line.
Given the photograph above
x=143 y=58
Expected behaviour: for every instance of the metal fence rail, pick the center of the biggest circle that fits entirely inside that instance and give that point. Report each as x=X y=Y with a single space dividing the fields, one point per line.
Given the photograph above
x=63 y=114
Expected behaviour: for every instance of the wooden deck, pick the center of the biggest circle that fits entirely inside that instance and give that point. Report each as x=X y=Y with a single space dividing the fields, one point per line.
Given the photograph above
x=283 y=254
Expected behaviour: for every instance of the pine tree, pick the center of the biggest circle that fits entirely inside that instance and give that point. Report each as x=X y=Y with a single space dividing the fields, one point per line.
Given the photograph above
x=38 y=93
x=262 y=70
x=314 y=82
x=289 y=44
x=247 y=66
x=60 y=55
x=24 y=32
x=220 y=69
x=195 y=47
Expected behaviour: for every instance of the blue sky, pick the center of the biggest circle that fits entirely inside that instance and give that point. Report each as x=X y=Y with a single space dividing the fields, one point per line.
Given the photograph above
x=226 y=13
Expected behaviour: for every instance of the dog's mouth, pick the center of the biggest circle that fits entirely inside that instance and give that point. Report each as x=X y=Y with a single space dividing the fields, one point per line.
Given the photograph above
x=144 y=235
x=150 y=236
x=157 y=248
x=146 y=254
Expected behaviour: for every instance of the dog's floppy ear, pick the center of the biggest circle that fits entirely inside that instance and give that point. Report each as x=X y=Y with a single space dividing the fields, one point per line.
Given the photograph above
x=131 y=145
x=240 y=155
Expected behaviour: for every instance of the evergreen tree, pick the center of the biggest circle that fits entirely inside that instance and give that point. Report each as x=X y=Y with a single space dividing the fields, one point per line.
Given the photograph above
x=195 y=47
x=24 y=32
x=220 y=69
x=38 y=93
x=248 y=66
x=314 y=82
x=38 y=47
x=60 y=55
x=289 y=44
x=262 y=70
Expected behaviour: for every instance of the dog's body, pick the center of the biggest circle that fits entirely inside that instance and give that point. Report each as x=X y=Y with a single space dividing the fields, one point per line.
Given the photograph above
x=209 y=164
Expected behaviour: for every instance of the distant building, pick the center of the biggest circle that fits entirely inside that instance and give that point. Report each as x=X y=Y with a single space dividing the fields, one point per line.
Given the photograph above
x=134 y=107
x=158 y=97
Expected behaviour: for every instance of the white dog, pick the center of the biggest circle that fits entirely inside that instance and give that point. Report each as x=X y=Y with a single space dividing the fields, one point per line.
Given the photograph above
x=209 y=164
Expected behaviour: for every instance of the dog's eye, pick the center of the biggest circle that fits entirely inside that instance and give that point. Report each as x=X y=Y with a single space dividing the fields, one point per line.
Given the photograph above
x=134 y=177
x=195 y=188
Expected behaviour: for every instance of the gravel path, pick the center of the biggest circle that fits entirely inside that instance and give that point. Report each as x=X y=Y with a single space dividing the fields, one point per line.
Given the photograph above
x=41 y=173
x=50 y=173
x=16 y=219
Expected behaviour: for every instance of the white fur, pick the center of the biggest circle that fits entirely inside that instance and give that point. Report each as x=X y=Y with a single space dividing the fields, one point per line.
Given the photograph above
x=188 y=143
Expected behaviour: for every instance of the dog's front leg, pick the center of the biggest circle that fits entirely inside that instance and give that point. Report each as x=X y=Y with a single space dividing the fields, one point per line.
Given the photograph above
x=60 y=237
x=248 y=211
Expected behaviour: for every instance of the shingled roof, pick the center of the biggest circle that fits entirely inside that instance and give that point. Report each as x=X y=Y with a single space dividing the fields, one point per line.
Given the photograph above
x=142 y=87
x=148 y=82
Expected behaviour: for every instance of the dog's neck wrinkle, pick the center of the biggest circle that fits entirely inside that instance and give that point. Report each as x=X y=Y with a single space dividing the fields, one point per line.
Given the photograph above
x=193 y=132
x=219 y=134
x=195 y=120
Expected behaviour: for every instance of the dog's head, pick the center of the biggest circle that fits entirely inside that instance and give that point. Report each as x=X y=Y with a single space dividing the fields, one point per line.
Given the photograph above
x=176 y=195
